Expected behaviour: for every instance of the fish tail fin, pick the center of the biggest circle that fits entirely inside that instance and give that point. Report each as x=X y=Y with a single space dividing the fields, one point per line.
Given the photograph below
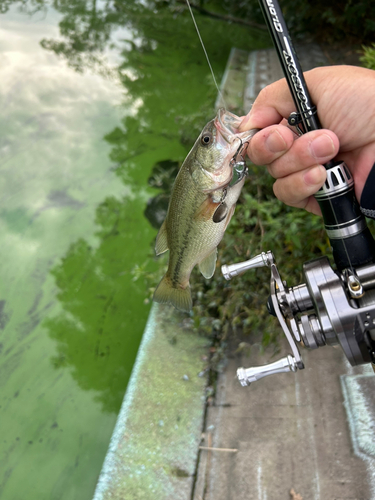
x=180 y=298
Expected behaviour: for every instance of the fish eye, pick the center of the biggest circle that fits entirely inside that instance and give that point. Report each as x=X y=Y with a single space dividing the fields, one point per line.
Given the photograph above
x=206 y=138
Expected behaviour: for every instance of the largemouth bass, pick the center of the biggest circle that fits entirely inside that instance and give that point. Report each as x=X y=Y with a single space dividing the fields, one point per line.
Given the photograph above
x=202 y=203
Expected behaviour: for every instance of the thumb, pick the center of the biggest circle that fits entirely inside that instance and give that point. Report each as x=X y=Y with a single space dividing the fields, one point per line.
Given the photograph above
x=273 y=103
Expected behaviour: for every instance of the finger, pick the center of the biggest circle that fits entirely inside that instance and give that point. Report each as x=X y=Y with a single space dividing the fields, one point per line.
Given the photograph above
x=278 y=147
x=269 y=144
x=297 y=189
x=273 y=103
x=313 y=206
x=317 y=147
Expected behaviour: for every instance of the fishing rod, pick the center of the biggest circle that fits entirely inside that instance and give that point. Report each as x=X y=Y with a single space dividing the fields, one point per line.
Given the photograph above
x=332 y=306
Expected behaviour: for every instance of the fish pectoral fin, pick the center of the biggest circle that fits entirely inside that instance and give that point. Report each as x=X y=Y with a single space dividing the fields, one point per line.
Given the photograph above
x=206 y=209
x=161 y=245
x=208 y=264
x=220 y=213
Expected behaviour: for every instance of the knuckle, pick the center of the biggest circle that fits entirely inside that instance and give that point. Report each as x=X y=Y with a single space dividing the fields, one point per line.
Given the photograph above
x=280 y=168
x=265 y=95
x=286 y=192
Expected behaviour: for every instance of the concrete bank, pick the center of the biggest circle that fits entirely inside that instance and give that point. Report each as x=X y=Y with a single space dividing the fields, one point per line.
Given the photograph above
x=153 y=450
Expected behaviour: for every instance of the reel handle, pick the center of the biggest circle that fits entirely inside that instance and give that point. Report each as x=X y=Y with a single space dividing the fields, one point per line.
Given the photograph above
x=248 y=375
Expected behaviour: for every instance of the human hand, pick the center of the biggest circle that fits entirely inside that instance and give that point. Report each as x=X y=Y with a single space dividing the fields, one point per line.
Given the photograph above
x=345 y=98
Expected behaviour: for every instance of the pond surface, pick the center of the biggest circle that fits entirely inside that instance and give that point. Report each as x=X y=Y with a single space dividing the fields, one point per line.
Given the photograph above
x=92 y=95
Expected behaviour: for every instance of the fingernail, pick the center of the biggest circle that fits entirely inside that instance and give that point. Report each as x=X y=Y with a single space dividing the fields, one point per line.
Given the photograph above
x=275 y=142
x=322 y=146
x=244 y=122
x=315 y=176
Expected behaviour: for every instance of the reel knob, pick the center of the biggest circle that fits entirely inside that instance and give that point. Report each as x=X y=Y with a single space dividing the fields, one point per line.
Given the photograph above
x=248 y=375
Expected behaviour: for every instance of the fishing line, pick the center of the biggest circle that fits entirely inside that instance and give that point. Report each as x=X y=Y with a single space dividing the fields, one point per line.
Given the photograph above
x=205 y=53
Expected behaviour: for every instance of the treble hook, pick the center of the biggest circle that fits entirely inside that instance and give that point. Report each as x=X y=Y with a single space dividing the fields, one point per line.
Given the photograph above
x=238 y=165
x=234 y=160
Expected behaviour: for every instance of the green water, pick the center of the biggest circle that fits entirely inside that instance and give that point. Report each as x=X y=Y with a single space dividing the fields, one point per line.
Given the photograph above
x=92 y=95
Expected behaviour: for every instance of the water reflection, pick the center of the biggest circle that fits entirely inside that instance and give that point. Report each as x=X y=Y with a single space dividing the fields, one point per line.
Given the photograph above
x=97 y=332
x=162 y=177
x=72 y=227
x=55 y=172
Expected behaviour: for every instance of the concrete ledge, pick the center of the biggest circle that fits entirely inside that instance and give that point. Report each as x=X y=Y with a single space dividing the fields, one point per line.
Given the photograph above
x=358 y=390
x=153 y=450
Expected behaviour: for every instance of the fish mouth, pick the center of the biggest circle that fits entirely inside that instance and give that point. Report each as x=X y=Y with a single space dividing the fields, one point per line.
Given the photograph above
x=227 y=125
x=232 y=144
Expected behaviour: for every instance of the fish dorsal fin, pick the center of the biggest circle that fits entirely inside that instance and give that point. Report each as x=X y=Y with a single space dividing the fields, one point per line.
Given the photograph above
x=161 y=240
x=208 y=264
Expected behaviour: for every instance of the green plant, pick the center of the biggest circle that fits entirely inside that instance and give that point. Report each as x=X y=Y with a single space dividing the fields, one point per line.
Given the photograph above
x=368 y=57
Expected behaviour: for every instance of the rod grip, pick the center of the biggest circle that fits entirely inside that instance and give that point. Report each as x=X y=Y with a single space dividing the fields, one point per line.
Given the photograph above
x=351 y=240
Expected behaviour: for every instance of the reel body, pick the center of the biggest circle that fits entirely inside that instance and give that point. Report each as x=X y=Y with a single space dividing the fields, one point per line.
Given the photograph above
x=329 y=308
